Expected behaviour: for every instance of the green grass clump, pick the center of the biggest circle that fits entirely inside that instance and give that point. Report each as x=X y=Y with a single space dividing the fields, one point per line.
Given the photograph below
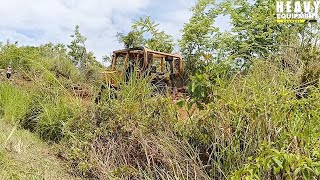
x=51 y=110
x=273 y=163
x=51 y=121
x=14 y=102
x=24 y=156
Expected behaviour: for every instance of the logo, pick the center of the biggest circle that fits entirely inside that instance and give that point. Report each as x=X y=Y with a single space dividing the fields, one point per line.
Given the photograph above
x=297 y=11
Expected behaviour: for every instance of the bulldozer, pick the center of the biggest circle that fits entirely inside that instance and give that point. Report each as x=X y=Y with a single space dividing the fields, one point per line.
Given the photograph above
x=165 y=69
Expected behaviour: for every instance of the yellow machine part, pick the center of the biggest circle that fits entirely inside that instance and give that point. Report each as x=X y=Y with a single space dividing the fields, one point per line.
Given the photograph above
x=112 y=77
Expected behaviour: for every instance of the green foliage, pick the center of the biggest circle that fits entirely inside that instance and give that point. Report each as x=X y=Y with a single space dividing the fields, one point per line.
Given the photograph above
x=77 y=48
x=14 y=103
x=198 y=33
x=50 y=111
x=201 y=86
x=44 y=63
x=311 y=67
x=132 y=39
x=146 y=33
x=52 y=119
x=82 y=59
x=254 y=33
x=240 y=112
x=56 y=61
x=272 y=163
x=11 y=54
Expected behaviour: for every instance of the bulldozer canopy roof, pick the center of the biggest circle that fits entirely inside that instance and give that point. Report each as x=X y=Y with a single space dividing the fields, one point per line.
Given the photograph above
x=141 y=50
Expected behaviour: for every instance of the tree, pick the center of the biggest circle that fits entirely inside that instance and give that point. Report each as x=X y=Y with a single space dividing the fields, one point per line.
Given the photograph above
x=145 y=32
x=106 y=59
x=84 y=60
x=78 y=52
x=198 y=33
x=132 y=39
x=254 y=34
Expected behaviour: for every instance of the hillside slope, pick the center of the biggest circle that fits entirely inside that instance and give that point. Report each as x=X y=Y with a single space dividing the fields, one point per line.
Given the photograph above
x=24 y=156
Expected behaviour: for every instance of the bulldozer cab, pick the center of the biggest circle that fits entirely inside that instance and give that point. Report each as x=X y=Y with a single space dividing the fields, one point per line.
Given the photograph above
x=141 y=62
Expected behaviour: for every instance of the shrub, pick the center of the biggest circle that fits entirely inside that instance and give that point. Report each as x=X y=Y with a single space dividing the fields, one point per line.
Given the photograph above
x=274 y=164
x=247 y=110
x=19 y=58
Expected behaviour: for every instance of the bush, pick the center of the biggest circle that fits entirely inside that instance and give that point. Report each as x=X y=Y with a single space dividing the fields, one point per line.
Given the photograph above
x=18 y=58
x=51 y=121
x=51 y=109
x=274 y=164
x=247 y=110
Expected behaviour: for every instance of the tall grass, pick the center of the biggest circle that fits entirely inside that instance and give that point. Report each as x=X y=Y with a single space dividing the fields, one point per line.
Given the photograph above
x=14 y=102
x=131 y=137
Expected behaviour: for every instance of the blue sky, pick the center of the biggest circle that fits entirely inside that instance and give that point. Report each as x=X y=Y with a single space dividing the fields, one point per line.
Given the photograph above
x=35 y=22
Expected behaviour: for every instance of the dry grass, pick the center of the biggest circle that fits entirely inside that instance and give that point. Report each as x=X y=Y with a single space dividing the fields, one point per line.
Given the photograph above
x=141 y=157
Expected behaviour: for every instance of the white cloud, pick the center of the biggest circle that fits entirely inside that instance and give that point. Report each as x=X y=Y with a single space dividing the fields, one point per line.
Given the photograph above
x=34 y=22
